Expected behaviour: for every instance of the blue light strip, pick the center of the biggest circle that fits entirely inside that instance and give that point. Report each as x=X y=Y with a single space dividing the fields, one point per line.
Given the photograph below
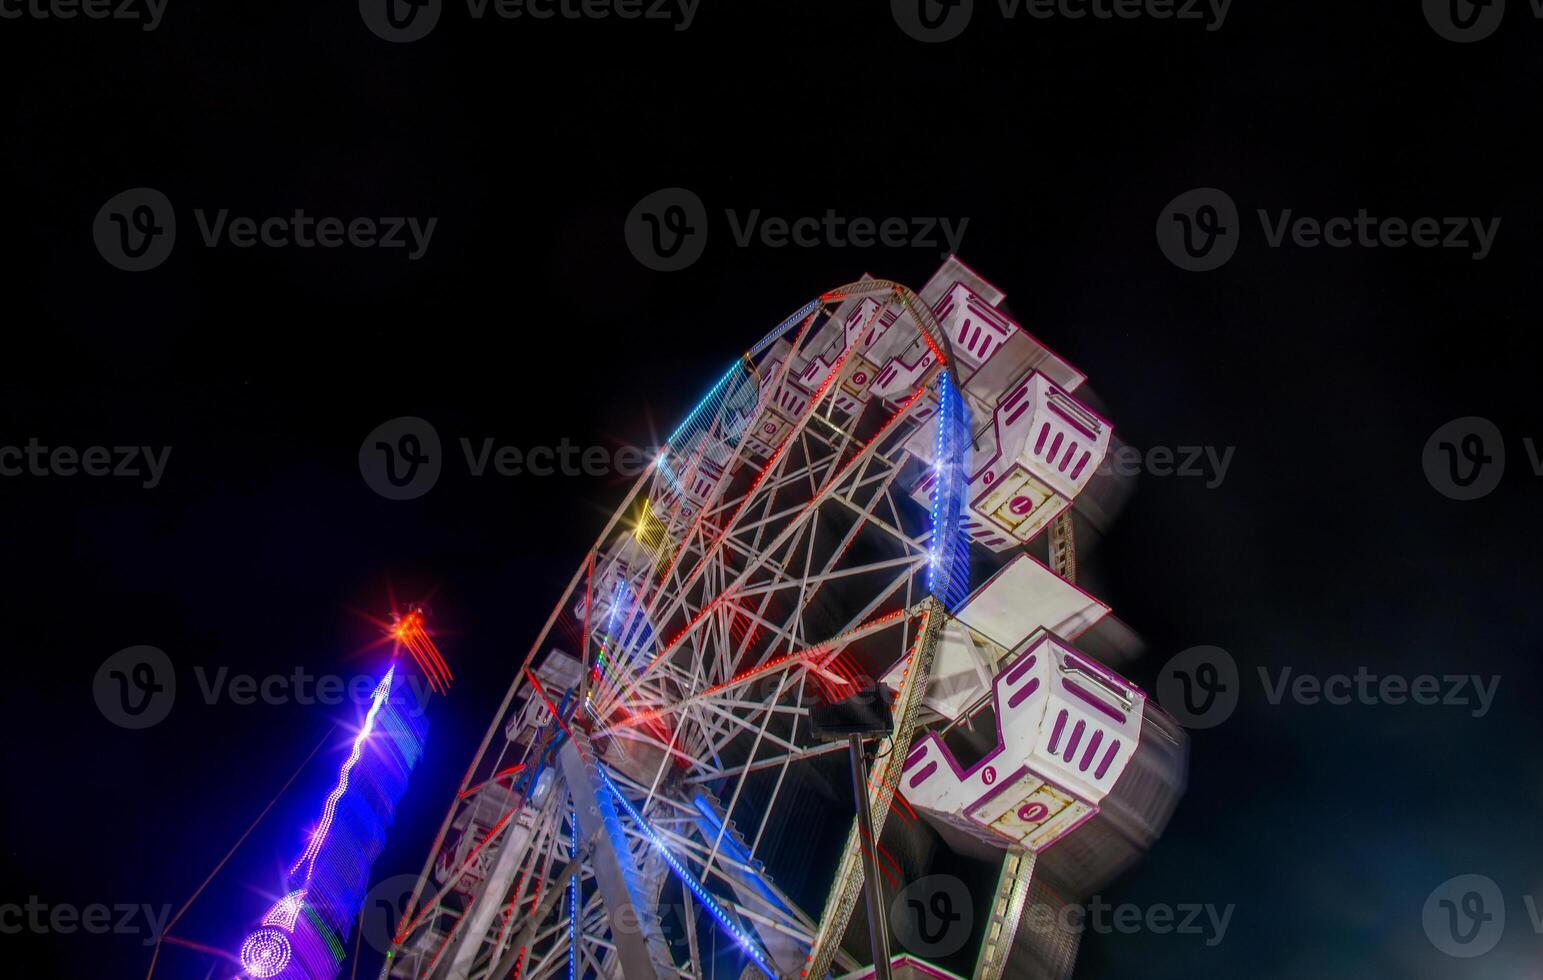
x=725 y=408
x=740 y=396
x=707 y=400
x=714 y=828
x=738 y=367
x=573 y=901
x=745 y=941
x=948 y=575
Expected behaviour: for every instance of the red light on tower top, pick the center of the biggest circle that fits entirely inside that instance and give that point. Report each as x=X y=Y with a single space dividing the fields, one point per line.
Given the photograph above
x=411 y=631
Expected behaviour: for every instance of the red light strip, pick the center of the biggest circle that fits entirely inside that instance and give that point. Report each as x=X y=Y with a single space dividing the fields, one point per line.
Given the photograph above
x=776 y=455
x=896 y=295
x=749 y=493
x=508 y=912
x=550 y=706
x=410 y=632
x=702 y=511
x=868 y=842
x=465 y=863
x=895 y=416
x=495 y=778
x=882 y=430
x=675 y=641
x=835 y=644
x=589 y=592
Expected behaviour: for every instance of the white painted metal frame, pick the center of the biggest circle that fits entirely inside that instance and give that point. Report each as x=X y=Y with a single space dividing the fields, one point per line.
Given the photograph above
x=749 y=558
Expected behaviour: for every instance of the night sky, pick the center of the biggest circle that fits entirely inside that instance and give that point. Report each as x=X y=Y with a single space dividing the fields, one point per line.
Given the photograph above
x=527 y=320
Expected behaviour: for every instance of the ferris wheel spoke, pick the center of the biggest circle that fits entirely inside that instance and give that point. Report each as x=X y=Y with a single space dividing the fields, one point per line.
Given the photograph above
x=741 y=725
x=780 y=458
x=783 y=537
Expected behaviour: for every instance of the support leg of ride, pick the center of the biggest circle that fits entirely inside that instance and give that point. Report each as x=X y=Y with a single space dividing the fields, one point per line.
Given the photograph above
x=878 y=929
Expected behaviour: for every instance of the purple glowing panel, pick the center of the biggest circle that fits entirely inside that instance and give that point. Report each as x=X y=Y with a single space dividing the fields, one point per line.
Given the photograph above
x=301 y=936
x=266 y=953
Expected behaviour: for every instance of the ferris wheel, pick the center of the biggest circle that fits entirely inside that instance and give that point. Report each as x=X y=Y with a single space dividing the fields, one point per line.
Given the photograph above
x=873 y=507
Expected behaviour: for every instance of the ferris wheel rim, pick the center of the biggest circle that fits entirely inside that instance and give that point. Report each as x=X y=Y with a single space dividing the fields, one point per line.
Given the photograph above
x=807 y=315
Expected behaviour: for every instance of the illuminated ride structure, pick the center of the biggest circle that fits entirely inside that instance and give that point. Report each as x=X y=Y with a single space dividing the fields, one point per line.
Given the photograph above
x=304 y=935
x=889 y=485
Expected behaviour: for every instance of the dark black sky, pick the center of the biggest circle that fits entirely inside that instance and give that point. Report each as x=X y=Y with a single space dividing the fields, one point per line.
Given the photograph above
x=527 y=320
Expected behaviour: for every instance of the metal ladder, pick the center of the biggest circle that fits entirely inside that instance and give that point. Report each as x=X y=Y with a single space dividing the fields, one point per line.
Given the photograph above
x=1006 y=909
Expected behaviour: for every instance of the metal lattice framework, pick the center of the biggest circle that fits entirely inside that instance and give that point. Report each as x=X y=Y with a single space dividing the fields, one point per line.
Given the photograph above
x=772 y=556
